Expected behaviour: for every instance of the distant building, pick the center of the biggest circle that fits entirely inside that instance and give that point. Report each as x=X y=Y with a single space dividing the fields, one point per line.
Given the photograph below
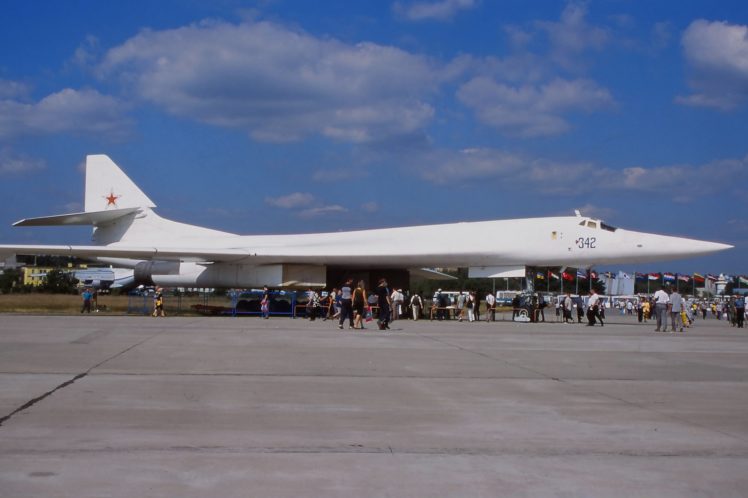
x=35 y=275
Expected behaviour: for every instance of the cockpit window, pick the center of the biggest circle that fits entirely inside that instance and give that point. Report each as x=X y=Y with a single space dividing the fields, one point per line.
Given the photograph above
x=593 y=224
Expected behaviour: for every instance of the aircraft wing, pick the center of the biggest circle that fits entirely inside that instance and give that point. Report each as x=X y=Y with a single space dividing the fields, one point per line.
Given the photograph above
x=138 y=253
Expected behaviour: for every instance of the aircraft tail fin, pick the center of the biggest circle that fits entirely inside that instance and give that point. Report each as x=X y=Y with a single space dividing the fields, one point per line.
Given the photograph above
x=108 y=187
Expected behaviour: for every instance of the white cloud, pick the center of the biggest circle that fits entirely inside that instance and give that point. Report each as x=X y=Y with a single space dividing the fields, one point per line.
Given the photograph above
x=67 y=111
x=443 y=10
x=291 y=201
x=278 y=84
x=322 y=211
x=12 y=163
x=13 y=89
x=370 y=207
x=532 y=110
x=572 y=35
x=717 y=55
x=505 y=171
x=306 y=205
x=687 y=183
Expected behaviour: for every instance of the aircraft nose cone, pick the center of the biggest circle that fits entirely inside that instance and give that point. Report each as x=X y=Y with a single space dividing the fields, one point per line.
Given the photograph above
x=681 y=246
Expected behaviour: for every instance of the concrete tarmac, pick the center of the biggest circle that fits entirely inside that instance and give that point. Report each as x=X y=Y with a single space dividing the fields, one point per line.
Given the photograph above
x=124 y=406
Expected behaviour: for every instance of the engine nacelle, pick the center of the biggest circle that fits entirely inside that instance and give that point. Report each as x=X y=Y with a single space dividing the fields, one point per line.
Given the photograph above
x=227 y=275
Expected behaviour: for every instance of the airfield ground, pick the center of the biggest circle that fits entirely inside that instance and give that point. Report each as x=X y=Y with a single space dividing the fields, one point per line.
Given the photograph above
x=135 y=406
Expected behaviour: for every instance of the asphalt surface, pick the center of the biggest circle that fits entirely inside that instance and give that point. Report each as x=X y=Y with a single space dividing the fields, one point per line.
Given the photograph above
x=94 y=406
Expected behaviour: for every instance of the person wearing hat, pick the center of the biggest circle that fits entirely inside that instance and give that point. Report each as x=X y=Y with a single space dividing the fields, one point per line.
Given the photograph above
x=158 y=303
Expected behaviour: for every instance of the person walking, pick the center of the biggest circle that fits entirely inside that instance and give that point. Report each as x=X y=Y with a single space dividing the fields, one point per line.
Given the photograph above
x=86 y=296
x=158 y=303
x=593 y=309
x=331 y=300
x=383 y=301
x=662 y=300
x=265 y=303
x=346 y=304
x=740 y=311
x=359 y=305
x=416 y=305
x=470 y=305
x=568 y=305
x=313 y=305
x=490 y=307
x=676 y=306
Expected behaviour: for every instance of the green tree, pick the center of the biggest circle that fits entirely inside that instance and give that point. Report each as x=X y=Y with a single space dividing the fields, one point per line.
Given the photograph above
x=10 y=280
x=59 y=282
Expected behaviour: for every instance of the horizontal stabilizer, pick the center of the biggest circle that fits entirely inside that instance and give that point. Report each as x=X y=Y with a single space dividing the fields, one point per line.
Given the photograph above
x=86 y=218
x=430 y=274
x=496 y=271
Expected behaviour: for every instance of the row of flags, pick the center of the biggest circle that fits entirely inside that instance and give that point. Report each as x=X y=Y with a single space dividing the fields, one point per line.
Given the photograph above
x=666 y=277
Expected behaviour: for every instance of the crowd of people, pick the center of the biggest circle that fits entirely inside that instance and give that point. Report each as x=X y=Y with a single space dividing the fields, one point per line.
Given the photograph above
x=357 y=306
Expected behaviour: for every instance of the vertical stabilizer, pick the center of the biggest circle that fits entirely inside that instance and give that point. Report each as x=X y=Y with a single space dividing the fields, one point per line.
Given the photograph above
x=108 y=187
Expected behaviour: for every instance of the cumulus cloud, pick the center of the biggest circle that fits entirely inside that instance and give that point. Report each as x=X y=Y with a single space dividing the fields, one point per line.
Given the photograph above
x=717 y=56
x=572 y=34
x=505 y=170
x=67 y=111
x=685 y=182
x=443 y=10
x=13 y=89
x=12 y=163
x=322 y=211
x=532 y=110
x=305 y=205
x=523 y=93
x=291 y=201
x=278 y=84
x=508 y=170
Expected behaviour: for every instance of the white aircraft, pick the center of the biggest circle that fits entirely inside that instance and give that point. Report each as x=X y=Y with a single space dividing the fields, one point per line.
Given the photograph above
x=128 y=233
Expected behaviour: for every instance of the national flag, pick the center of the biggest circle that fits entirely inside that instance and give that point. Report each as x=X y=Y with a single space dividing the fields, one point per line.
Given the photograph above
x=698 y=278
x=553 y=275
x=684 y=278
x=711 y=277
x=668 y=276
x=743 y=280
x=567 y=276
x=582 y=274
x=625 y=275
x=654 y=276
x=540 y=276
x=609 y=274
x=640 y=276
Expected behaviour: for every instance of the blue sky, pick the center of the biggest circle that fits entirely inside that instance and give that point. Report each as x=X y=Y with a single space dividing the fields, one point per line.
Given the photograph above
x=295 y=116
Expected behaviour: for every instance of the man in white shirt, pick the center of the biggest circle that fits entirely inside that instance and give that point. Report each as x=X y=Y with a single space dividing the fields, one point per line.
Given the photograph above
x=662 y=299
x=593 y=309
x=491 y=307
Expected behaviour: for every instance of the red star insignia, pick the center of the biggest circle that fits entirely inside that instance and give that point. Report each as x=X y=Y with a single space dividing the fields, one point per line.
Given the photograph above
x=111 y=199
